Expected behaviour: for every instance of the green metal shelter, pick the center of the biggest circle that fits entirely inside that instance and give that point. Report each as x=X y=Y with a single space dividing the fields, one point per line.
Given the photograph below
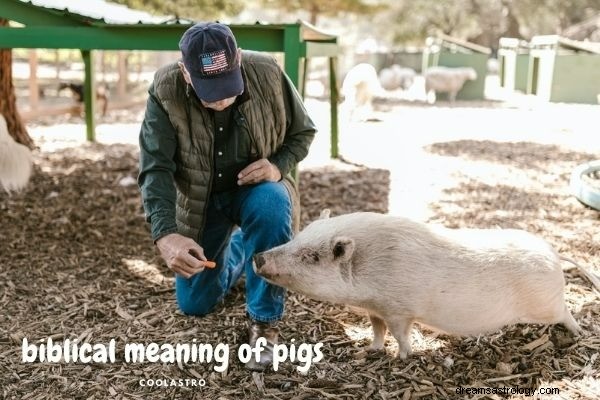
x=447 y=51
x=513 y=57
x=61 y=28
x=564 y=70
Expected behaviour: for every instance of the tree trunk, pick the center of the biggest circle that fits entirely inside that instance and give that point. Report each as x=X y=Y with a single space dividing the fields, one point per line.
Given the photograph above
x=8 y=100
x=513 y=27
x=314 y=14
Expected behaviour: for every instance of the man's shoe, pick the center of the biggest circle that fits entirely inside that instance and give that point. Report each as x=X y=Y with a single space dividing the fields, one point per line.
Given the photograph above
x=270 y=332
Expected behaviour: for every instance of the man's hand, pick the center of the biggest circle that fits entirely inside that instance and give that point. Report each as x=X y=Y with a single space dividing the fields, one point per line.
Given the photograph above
x=259 y=171
x=183 y=255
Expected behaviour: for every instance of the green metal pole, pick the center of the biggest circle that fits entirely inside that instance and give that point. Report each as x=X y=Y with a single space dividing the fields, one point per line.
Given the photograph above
x=333 y=90
x=305 y=66
x=89 y=95
x=291 y=48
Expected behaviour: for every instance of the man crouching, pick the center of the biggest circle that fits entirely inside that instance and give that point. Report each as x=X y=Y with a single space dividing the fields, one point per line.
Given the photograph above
x=223 y=129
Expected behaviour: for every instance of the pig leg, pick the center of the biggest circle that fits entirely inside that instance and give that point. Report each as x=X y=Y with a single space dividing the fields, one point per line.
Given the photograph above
x=379 y=330
x=570 y=323
x=401 y=328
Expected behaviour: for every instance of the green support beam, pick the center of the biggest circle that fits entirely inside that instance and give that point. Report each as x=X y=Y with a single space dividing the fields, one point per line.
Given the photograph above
x=305 y=68
x=89 y=95
x=136 y=37
x=291 y=48
x=90 y=38
x=270 y=39
x=333 y=88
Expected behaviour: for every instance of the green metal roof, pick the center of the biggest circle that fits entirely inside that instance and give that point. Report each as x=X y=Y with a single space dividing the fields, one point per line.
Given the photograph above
x=47 y=27
x=103 y=11
x=62 y=28
x=53 y=24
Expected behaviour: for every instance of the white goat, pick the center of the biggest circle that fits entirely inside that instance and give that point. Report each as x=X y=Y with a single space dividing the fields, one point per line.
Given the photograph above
x=359 y=87
x=447 y=80
x=15 y=161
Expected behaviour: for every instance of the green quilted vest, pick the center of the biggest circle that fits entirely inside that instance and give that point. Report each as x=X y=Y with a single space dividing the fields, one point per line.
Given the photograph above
x=264 y=112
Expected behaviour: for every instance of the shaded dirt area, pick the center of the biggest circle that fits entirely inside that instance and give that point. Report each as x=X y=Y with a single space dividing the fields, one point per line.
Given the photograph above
x=524 y=155
x=76 y=261
x=520 y=185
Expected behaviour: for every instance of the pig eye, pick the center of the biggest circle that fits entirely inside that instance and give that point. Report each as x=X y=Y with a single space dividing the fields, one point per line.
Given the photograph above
x=311 y=257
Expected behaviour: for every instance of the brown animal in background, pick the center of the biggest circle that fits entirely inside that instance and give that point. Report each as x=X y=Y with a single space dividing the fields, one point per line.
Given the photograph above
x=78 y=93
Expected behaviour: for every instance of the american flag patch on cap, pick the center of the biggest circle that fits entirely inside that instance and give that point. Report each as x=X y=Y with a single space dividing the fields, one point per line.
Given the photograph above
x=214 y=62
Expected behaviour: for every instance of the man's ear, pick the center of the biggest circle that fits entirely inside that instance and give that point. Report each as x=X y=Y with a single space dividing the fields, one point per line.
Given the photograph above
x=342 y=248
x=185 y=73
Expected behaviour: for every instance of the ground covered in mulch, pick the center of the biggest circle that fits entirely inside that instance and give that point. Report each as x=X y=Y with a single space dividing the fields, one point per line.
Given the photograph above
x=76 y=261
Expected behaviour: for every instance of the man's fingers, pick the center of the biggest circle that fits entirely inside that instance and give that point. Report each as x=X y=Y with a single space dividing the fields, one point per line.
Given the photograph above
x=249 y=168
x=183 y=255
x=181 y=271
x=184 y=274
x=259 y=171
x=192 y=261
x=253 y=177
x=198 y=253
x=185 y=270
x=188 y=263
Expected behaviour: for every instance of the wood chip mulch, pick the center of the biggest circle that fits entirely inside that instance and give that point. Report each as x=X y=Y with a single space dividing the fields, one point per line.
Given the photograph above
x=76 y=261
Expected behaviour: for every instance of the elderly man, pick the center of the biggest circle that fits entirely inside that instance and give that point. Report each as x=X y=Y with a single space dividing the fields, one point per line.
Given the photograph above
x=223 y=129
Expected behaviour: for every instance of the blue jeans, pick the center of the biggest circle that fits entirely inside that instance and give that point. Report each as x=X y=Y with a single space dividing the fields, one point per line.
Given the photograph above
x=239 y=224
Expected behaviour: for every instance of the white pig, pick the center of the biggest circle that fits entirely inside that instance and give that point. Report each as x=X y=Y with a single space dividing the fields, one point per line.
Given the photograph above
x=460 y=281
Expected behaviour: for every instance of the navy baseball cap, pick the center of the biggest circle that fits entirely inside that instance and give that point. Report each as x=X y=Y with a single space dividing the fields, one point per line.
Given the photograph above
x=210 y=54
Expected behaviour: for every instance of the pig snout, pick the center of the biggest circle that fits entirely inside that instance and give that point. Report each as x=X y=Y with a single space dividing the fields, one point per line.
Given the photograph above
x=259 y=261
x=263 y=268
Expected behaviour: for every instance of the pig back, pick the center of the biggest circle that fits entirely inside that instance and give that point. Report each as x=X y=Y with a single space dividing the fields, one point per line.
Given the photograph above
x=431 y=272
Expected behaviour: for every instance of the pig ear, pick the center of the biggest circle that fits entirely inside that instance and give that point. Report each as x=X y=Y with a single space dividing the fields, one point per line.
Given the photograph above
x=325 y=213
x=342 y=248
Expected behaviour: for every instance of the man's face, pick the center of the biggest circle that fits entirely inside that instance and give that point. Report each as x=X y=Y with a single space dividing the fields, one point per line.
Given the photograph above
x=218 y=105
